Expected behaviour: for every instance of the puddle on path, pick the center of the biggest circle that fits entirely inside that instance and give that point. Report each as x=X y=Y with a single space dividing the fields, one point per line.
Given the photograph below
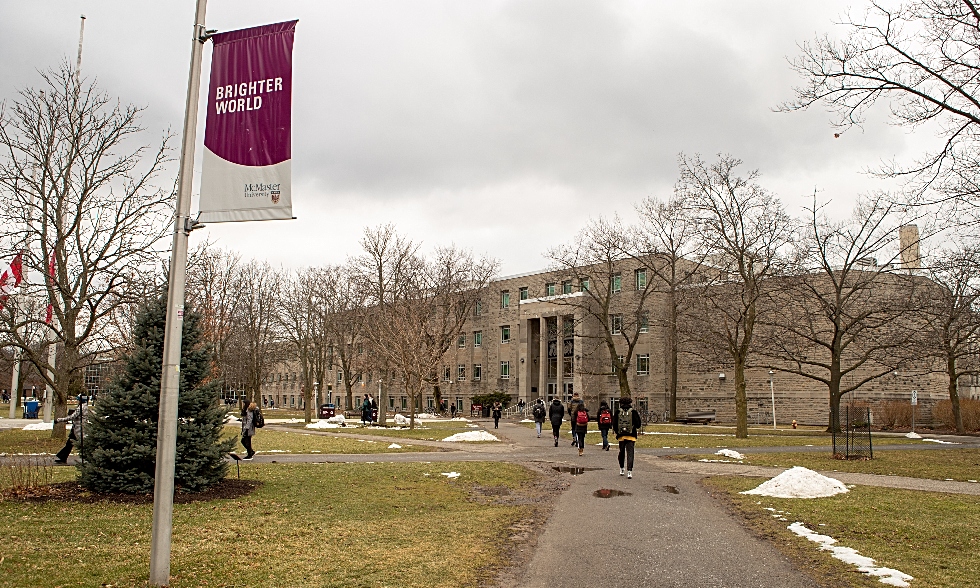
x=671 y=489
x=573 y=470
x=609 y=493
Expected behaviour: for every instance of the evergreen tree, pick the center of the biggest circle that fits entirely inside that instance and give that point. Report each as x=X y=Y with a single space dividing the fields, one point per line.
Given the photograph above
x=121 y=433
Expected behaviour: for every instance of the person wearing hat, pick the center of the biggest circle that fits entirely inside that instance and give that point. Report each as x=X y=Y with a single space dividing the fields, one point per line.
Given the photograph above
x=626 y=423
x=76 y=418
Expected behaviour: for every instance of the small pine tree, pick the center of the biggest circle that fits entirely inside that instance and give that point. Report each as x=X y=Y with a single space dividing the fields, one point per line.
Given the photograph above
x=121 y=434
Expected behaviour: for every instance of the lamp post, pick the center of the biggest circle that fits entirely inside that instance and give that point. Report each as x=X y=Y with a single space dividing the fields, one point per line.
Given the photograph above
x=772 y=395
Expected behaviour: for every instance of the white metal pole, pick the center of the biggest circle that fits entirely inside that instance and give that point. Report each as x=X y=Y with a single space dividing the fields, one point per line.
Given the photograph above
x=15 y=372
x=48 y=390
x=163 y=487
x=772 y=395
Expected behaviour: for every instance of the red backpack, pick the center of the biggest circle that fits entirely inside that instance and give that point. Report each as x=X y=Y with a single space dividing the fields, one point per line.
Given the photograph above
x=605 y=417
x=582 y=417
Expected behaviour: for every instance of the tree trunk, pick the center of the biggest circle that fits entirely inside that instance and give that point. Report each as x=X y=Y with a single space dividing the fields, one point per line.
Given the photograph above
x=382 y=403
x=437 y=395
x=741 y=403
x=350 y=392
x=672 y=350
x=954 y=395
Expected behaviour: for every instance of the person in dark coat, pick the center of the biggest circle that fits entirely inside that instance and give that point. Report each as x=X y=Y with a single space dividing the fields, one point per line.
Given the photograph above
x=556 y=412
x=572 y=404
x=497 y=412
x=626 y=423
x=604 y=418
x=366 y=410
x=579 y=429
x=248 y=429
x=539 y=412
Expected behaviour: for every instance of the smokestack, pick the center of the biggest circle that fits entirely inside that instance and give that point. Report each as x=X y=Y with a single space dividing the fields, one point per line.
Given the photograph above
x=908 y=240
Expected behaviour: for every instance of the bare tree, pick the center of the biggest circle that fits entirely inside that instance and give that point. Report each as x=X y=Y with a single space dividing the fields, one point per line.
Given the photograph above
x=257 y=341
x=79 y=195
x=843 y=318
x=613 y=310
x=924 y=58
x=745 y=231
x=951 y=316
x=212 y=290
x=345 y=326
x=667 y=241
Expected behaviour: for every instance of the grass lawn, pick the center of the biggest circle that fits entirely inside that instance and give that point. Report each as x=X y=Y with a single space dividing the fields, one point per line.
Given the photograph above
x=937 y=464
x=428 y=431
x=271 y=441
x=20 y=441
x=927 y=535
x=343 y=525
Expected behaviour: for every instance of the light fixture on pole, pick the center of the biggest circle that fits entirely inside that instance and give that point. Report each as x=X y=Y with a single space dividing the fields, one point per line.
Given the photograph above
x=772 y=395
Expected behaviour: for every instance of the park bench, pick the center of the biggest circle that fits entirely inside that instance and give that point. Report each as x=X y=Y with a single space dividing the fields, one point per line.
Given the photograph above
x=699 y=416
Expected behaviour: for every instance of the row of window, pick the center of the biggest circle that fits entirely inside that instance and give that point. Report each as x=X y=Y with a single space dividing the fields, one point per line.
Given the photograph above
x=616 y=323
x=642 y=364
x=476 y=372
x=567 y=287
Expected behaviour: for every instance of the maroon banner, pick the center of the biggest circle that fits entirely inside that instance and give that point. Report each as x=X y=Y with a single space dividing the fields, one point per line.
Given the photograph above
x=247 y=143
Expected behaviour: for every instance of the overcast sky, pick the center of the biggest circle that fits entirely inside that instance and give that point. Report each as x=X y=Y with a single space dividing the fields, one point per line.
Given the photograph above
x=499 y=126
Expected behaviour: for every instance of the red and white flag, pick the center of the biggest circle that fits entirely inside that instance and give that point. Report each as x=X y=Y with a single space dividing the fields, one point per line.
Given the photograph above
x=10 y=279
x=51 y=270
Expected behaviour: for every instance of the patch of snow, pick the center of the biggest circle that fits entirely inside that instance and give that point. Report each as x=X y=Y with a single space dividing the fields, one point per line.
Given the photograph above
x=425 y=415
x=913 y=435
x=394 y=446
x=323 y=425
x=718 y=461
x=401 y=419
x=273 y=451
x=338 y=419
x=730 y=453
x=471 y=436
x=451 y=475
x=531 y=421
x=473 y=426
x=39 y=426
x=864 y=564
x=940 y=441
x=465 y=420
x=799 y=482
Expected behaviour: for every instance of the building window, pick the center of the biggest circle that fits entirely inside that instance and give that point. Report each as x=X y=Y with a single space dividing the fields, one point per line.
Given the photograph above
x=643 y=364
x=522 y=293
x=477 y=338
x=461 y=373
x=505 y=334
x=641 y=278
x=360 y=378
x=505 y=370
x=549 y=289
x=447 y=375
x=622 y=360
x=615 y=324
x=617 y=283
x=505 y=299
x=404 y=403
x=477 y=308
x=461 y=342
x=477 y=372
x=340 y=376
x=583 y=284
x=645 y=322
x=566 y=287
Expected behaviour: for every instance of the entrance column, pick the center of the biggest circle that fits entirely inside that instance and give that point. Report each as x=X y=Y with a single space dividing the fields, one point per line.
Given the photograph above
x=559 y=379
x=543 y=359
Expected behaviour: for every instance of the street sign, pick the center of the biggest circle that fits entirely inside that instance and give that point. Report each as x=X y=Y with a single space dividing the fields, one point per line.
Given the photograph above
x=915 y=397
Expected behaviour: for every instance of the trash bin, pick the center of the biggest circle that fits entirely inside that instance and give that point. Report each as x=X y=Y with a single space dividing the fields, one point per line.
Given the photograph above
x=30 y=409
x=327 y=411
x=486 y=411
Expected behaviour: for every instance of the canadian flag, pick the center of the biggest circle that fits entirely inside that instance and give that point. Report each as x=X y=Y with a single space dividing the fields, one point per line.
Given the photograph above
x=10 y=279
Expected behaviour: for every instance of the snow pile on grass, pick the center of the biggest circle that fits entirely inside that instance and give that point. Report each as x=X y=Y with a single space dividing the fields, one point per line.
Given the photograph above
x=799 y=482
x=337 y=419
x=730 y=453
x=425 y=415
x=531 y=421
x=39 y=427
x=471 y=436
x=863 y=563
x=465 y=420
x=394 y=446
x=401 y=419
x=451 y=475
x=324 y=424
x=942 y=442
x=913 y=435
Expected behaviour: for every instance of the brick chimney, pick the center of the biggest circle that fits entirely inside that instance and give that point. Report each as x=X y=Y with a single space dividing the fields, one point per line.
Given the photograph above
x=908 y=240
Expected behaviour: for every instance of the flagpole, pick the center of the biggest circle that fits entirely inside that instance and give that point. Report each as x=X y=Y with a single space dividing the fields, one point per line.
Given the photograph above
x=163 y=486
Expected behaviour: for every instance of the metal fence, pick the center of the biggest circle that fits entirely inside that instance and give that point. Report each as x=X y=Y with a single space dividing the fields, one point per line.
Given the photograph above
x=852 y=439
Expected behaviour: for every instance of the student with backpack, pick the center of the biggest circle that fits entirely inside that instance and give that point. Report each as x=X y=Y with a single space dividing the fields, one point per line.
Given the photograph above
x=556 y=413
x=251 y=419
x=538 y=412
x=626 y=422
x=605 y=419
x=580 y=425
x=572 y=405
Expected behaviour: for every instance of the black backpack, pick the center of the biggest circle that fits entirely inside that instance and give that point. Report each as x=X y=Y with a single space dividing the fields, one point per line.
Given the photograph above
x=625 y=421
x=258 y=420
x=539 y=411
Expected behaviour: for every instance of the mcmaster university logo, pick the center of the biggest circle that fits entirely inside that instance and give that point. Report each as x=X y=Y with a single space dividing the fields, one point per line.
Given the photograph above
x=260 y=190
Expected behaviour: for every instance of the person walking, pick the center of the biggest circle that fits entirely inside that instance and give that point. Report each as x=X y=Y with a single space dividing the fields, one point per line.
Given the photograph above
x=626 y=423
x=366 y=411
x=580 y=424
x=556 y=413
x=576 y=400
x=497 y=411
x=249 y=422
x=604 y=418
x=452 y=410
x=539 y=413
x=77 y=432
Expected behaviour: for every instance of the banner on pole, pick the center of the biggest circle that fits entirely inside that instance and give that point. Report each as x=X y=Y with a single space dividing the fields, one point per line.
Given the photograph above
x=247 y=144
